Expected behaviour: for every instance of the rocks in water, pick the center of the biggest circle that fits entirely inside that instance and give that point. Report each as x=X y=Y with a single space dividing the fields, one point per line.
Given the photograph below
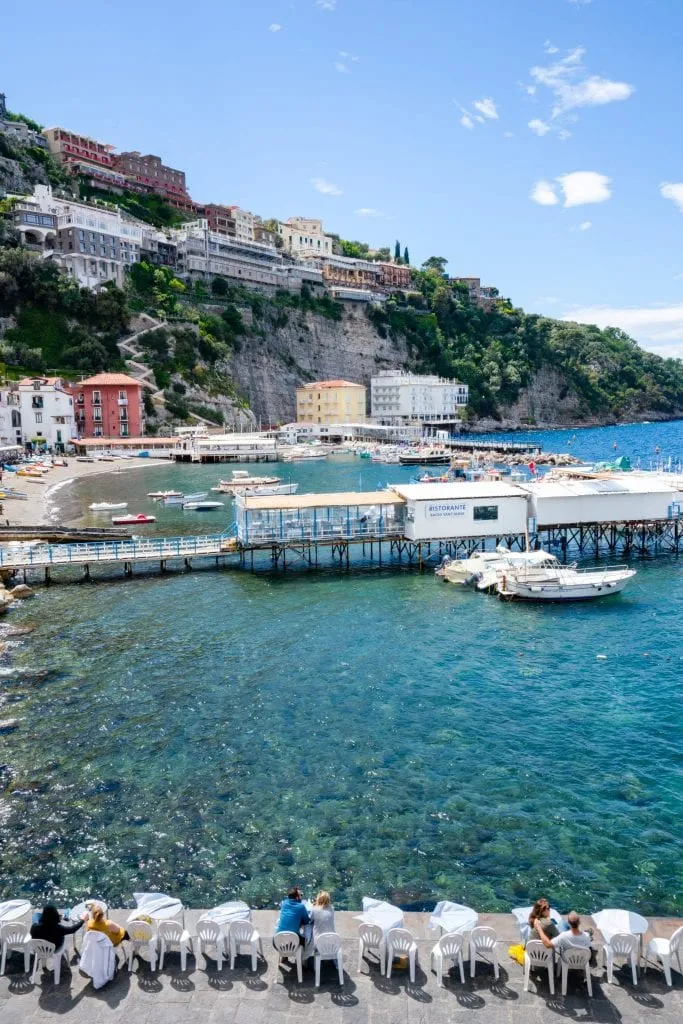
x=3 y=647
x=21 y=591
x=8 y=724
x=24 y=630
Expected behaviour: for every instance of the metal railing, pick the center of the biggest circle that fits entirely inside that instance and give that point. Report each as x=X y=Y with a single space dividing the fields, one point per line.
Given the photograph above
x=136 y=549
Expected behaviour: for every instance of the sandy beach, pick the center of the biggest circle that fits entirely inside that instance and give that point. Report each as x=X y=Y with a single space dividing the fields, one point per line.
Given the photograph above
x=42 y=493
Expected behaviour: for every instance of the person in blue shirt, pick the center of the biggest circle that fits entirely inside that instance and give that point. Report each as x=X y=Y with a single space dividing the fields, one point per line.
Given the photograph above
x=293 y=914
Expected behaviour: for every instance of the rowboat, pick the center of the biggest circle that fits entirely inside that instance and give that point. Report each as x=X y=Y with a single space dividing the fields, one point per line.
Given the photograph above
x=158 y=495
x=133 y=520
x=107 y=506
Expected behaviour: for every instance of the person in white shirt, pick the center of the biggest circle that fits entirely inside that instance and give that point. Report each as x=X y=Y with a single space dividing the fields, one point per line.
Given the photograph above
x=573 y=937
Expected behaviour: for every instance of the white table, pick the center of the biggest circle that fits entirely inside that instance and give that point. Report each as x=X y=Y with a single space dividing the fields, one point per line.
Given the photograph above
x=14 y=910
x=453 y=917
x=378 y=912
x=225 y=913
x=612 y=921
x=157 y=906
x=521 y=916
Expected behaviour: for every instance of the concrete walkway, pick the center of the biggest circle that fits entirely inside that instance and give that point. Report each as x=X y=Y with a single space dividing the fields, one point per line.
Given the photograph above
x=203 y=996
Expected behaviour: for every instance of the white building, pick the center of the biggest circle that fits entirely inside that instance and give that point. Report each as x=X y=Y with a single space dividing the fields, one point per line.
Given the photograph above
x=477 y=509
x=399 y=397
x=94 y=243
x=47 y=412
x=244 y=224
x=10 y=416
x=304 y=237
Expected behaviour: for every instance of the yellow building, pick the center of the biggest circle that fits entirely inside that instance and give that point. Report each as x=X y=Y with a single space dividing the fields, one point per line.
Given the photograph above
x=330 y=401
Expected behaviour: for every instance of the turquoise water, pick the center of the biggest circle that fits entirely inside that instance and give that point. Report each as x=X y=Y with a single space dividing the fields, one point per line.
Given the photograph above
x=220 y=734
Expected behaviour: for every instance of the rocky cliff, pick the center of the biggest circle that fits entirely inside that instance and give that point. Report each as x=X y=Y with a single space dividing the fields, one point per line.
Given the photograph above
x=273 y=360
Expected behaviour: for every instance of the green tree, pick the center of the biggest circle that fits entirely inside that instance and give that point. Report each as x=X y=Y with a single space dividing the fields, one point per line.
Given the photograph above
x=383 y=254
x=397 y=251
x=437 y=263
x=406 y=256
x=219 y=286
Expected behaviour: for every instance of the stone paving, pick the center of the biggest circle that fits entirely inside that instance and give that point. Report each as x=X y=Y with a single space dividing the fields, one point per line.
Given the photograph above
x=201 y=995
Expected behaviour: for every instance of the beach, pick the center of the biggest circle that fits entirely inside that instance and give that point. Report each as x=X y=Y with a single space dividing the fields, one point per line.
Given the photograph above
x=42 y=505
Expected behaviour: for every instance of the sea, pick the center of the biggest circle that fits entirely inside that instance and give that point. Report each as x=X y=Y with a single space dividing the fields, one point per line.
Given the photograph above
x=222 y=734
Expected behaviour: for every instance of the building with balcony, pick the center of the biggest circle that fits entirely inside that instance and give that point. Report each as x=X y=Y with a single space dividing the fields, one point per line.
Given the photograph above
x=399 y=397
x=46 y=412
x=10 y=415
x=220 y=219
x=331 y=401
x=304 y=237
x=92 y=242
x=108 y=405
x=147 y=173
x=395 y=277
x=70 y=149
x=484 y=296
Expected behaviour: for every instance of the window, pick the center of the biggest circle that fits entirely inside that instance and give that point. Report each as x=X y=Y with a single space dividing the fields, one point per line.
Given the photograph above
x=39 y=417
x=80 y=398
x=122 y=396
x=97 y=415
x=96 y=398
x=124 y=430
x=37 y=402
x=485 y=512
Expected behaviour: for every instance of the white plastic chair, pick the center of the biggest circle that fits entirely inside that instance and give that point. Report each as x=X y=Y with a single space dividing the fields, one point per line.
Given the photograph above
x=208 y=933
x=141 y=936
x=288 y=946
x=575 y=958
x=243 y=934
x=169 y=934
x=42 y=951
x=14 y=936
x=400 y=942
x=483 y=947
x=660 y=949
x=623 y=944
x=371 y=939
x=447 y=950
x=328 y=947
x=538 y=955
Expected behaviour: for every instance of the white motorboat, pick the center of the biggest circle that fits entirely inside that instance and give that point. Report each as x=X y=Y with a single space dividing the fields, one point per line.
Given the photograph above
x=159 y=495
x=304 y=455
x=202 y=506
x=481 y=568
x=241 y=479
x=270 y=489
x=178 y=498
x=552 y=581
x=107 y=506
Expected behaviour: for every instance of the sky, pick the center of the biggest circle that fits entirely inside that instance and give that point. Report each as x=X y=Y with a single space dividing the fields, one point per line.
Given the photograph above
x=534 y=143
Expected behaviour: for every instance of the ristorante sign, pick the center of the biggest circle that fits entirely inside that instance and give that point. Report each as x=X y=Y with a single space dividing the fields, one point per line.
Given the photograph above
x=445 y=509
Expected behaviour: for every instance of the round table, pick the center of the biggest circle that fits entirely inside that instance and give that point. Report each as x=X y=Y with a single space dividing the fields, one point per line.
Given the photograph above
x=14 y=910
x=612 y=921
x=453 y=917
x=224 y=914
x=157 y=906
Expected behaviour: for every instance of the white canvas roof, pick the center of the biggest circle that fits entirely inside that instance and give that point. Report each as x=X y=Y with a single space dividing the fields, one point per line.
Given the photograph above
x=611 y=485
x=466 y=489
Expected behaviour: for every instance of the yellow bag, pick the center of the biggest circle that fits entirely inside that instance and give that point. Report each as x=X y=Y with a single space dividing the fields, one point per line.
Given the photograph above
x=517 y=953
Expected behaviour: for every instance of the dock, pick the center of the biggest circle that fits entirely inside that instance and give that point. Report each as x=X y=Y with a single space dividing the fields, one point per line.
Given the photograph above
x=460 y=444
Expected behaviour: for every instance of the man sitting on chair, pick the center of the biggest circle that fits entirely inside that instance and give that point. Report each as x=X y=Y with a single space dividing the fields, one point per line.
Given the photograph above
x=573 y=937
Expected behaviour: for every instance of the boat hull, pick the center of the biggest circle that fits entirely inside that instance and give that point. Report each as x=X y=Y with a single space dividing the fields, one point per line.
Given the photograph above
x=579 y=589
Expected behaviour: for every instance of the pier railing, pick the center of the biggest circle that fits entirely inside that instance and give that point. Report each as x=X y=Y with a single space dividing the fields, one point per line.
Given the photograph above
x=134 y=550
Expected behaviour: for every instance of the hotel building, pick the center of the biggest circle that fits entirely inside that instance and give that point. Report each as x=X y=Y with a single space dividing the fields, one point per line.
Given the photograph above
x=399 y=397
x=331 y=401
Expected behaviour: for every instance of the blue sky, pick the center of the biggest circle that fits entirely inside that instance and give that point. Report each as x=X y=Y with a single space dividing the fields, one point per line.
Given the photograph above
x=534 y=143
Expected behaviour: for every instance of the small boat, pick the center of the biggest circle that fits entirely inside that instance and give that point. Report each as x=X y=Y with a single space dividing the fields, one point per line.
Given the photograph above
x=552 y=581
x=158 y=495
x=133 y=520
x=267 y=489
x=201 y=506
x=84 y=458
x=305 y=455
x=241 y=479
x=107 y=506
x=481 y=568
x=8 y=492
x=178 y=498
x=426 y=457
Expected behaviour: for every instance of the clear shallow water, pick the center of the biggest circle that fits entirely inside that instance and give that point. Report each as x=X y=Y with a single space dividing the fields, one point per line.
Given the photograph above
x=218 y=734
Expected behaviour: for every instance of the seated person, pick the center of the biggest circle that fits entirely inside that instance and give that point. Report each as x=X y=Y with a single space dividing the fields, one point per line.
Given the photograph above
x=293 y=914
x=99 y=923
x=49 y=927
x=322 y=914
x=573 y=937
x=541 y=922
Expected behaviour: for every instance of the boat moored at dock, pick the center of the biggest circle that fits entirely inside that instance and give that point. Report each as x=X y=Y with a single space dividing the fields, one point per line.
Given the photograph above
x=549 y=580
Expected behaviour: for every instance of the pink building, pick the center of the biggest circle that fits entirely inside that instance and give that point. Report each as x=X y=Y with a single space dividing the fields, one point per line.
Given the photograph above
x=108 y=405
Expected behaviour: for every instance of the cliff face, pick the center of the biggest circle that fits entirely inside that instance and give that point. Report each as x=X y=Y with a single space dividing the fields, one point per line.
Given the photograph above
x=270 y=365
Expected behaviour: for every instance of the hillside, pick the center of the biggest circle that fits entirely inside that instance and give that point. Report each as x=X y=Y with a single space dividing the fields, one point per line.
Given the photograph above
x=225 y=349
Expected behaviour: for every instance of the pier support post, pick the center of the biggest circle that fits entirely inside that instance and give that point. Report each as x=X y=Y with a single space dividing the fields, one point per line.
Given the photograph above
x=188 y=563
x=47 y=574
x=162 y=565
x=86 y=571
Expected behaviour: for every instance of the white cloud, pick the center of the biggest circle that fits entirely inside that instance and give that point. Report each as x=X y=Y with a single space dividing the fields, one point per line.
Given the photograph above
x=579 y=3
x=326 y=5
x=544 y=194
x=341 y=68
x=275 y=27
x=349 y=56
x=327 y=188
x=539 y=127
x=674 y=192
x=564 y=134
x=466 y=121
x=582 y=187
x=368 y=211
x=549 y=48
x=658 y=328
x=573 y=87
x=487 y=108
x=585 y=225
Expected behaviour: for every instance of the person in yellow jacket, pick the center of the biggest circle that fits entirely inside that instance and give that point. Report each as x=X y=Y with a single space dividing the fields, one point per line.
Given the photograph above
x=97 y=922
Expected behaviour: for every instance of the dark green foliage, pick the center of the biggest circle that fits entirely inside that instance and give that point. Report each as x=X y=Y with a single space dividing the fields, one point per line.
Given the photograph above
x=496 y=353
x=406 y=256
x=324 y=306
x=397 y=251
x=207 y=412
x=219 y=287
x=437 y=263
x=233 y=319
x=177 y=407
x=148 y=404
x=10 y=116
x=148 y=207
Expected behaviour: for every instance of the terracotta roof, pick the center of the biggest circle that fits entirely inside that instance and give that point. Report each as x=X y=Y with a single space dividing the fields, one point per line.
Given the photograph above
x=332 y=384
x=30 y=381
x=109 y=378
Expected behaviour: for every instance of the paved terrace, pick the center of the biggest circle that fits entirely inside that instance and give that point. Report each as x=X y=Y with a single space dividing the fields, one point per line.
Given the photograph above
x=201 y=995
